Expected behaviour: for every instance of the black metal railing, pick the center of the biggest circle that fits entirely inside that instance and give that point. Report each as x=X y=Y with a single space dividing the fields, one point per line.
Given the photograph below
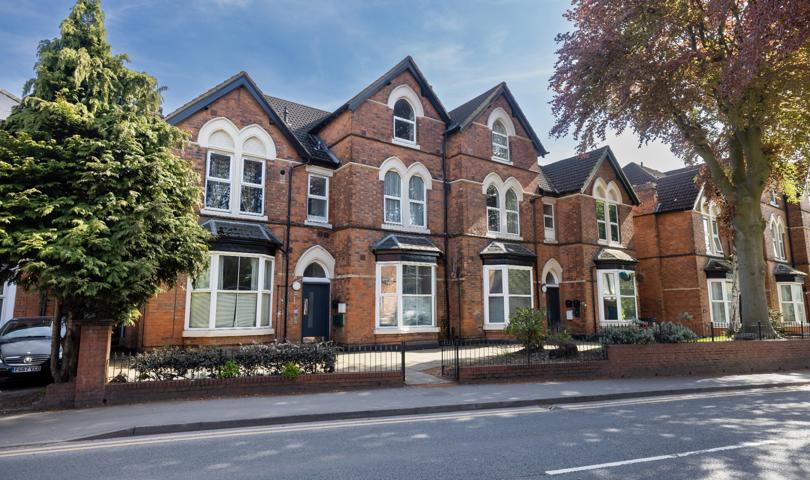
x=128 y=366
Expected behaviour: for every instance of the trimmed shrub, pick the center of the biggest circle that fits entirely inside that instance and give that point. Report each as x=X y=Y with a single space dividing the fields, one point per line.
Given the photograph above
x=528 y=326
x=666 y=332
x=169 y=363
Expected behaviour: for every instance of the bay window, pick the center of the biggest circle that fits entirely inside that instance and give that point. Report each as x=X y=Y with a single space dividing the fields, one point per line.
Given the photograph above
x=405 y=295
x=791 y=302
x=234 y=292
x=720 y=301
x=617 y=295
x=506 y=288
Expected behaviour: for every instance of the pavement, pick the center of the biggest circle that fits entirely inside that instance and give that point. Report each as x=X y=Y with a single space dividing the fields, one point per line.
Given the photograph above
x=732 y=435
x=185 y=416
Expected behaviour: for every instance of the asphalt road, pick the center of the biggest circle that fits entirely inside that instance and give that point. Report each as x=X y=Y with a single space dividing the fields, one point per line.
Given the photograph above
x=740 y=435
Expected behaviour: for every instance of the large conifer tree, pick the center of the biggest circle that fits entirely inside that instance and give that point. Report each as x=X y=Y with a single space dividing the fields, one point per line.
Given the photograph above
x=95 y=207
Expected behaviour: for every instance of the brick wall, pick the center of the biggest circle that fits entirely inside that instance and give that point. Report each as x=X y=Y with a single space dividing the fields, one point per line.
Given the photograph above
x=629 y=361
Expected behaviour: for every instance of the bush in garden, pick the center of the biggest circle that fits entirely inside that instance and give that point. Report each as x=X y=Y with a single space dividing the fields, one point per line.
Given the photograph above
x=566 y=347
x=291 y=371
x=668 y=332
x=777 y=320
x=626 y=335
x=170 y=363
x=528 y=326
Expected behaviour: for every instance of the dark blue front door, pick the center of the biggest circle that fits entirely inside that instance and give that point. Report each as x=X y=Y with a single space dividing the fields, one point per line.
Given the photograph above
x=315 y=310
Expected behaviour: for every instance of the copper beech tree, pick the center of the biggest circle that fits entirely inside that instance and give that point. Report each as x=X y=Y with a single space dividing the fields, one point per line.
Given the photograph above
x=725 y=83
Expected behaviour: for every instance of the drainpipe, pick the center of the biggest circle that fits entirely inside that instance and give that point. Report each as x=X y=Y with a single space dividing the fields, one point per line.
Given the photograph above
x=287 y=249
x=538 y=282
x=446 y=191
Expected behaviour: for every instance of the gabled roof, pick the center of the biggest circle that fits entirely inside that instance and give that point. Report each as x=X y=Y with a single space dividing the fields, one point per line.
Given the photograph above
x=10 y=95
x=575 y=173
x=300 y=119
x=639 y=174
x=677 y=191
x=405 y=65
x=464 y=114
x=303 y=145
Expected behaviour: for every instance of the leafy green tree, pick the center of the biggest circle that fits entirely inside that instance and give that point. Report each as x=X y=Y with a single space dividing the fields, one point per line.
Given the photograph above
x=528 y=326
x=95 y=206
x=723 y=82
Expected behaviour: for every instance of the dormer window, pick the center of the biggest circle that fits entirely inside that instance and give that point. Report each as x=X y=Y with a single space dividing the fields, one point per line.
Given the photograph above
x=404 y=121
x=500 y=141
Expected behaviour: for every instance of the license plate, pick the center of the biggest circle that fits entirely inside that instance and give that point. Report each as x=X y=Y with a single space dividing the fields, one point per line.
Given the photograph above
x=32 y=368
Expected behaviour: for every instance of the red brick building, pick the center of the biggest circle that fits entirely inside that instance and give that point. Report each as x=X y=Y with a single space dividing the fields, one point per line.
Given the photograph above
x=686 y=274
x=390 y=219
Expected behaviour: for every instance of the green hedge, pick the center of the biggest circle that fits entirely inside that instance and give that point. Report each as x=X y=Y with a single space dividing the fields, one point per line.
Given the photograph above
x=169 y=363
x=666 y=332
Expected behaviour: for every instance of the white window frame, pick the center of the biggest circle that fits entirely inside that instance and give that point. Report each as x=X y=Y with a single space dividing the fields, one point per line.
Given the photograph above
x=210 y=178
x=422 y=202
x=390 y=197
x=325 y=198
x=243 y=183
x=711 y=229
x=213 y=290
x=399 y=327
x=609 y=197
x=505 y=294
x=778 y=238
x=505 y=136
x=601 y=296
x=772 y=198
x=727 y=300
x=402 y=119
x=549 y=233
x=507 y=211
x=796 y=303
x=497 y=209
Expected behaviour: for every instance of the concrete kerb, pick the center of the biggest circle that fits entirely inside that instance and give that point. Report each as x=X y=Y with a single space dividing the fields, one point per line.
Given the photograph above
x=362 y=414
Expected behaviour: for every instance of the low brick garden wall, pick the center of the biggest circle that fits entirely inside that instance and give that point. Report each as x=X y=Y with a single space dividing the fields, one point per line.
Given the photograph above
x=638 y=361
x=59 y=396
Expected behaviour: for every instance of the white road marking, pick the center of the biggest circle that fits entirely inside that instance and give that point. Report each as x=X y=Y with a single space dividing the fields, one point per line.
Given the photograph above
x=72 y=446
x=600 y=466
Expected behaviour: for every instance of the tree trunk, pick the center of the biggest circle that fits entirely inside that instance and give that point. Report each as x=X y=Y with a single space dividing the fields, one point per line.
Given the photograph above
x=56 y=342
x=749 y=228
x=70 y=350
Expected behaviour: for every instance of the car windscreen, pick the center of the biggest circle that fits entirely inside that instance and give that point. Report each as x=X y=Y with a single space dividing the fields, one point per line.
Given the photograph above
x=37 y=327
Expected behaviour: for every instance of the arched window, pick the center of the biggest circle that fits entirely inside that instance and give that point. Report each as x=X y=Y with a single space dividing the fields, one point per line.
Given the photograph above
x=778 y=238
x=512 y=213
x=393 y=198
x=416 y=197
x=493 y=210
x=711 y=231
x=404 y=121
x=500 y=141
x=314 y=270
x=607 y=201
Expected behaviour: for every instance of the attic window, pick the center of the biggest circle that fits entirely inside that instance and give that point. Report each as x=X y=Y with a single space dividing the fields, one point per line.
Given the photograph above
x=500 y=141
x=404 y=121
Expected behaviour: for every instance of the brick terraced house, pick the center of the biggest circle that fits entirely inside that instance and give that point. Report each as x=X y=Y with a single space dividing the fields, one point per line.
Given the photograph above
x=685 y=271
x=390 y=219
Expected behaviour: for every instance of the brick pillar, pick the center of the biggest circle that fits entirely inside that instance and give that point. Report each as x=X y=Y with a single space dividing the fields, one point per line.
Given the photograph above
x=91 y=376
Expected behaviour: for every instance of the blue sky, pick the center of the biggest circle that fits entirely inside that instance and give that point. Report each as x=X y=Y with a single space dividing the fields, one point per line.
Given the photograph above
x=321 y=53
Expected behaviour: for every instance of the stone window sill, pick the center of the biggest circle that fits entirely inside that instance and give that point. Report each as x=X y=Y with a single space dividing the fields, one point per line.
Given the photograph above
x=405 y=330
x=404 y=228
x=226 y=332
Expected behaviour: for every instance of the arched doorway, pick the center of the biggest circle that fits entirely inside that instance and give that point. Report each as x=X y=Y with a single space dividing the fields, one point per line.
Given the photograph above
x=315 y=300
x=551 y=286
x=316 y=268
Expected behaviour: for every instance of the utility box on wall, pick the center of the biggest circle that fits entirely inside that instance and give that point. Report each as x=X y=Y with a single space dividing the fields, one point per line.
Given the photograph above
x=337 y=319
